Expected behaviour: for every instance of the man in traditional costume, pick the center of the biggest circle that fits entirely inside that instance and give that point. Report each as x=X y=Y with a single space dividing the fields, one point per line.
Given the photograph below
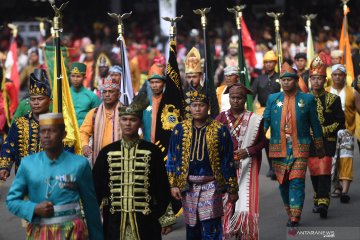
x=345 y=142
x=291 y=115
x=84 y=100
x=200 y=168
x=131 y=183
x=300 y=63
x=156 y=83
x=89 y=61
x=194 y=75
x=55 y=181
x=264 y=85
x=23 y=137
x=332 y=119
x=232 y=76
x=246 y=129
x=101 y=124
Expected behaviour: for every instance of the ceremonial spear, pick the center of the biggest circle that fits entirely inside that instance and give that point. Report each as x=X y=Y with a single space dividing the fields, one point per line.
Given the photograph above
x=209 y=82
x=244 y=77
x=120 y=19
x=57 y=26
x=277 y=36
x=310 y=45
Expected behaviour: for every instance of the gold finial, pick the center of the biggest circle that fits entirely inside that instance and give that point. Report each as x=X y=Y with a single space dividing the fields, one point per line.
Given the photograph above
x=172 y=22
x=308 y=18
x=14 y=29
x=202 y=12
x=345 y=7
x=120 y=19
x=237 y=11
x=57 y=25
x=42 y=21
x=276 y=19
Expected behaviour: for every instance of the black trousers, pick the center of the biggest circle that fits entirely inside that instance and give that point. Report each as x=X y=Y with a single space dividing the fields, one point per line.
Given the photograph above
x=322 y=188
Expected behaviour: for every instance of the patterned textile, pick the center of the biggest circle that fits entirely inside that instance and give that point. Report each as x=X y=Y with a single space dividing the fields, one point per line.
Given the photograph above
x=75 y=229
x=289 y=166
x=202 y=201
x=293 y=195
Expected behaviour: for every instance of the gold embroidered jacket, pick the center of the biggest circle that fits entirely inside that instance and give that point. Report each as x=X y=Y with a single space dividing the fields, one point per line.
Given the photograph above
x=132 y=180
x=219 y=150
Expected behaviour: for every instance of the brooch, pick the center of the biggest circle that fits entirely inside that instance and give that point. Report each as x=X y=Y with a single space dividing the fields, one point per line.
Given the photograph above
x=148 y=108
x=301 y=103
x=279 y=103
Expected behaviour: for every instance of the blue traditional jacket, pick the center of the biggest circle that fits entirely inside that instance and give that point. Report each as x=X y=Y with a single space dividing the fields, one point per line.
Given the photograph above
x=202 y=152
x=65 y=180
x=306 y=118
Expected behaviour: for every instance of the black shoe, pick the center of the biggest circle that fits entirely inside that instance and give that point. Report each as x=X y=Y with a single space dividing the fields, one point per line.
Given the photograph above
x=344 y=198
x=315 y=209
x=288 y=223
x=273 y=177
x=294 y=224
x=269 y=173
x=323 y=210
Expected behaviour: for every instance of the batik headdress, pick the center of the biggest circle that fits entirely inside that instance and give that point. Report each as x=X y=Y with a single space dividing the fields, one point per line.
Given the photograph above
x=288 y=71
x=318 y=65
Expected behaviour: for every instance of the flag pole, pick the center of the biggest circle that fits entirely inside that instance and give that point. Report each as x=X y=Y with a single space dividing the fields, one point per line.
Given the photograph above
x=345 y=9
x=172 y=25
x=244 y=77
x=202 y=12
x=277 y=36
x=309 y=49
x=120 y=19
x=57 y=26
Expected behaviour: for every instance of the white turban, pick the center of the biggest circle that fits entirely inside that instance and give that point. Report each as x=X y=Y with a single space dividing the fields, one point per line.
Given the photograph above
x=232 y=70
x=338 y=67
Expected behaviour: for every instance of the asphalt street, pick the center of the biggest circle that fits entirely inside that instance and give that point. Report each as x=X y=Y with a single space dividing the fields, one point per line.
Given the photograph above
x=272 y=214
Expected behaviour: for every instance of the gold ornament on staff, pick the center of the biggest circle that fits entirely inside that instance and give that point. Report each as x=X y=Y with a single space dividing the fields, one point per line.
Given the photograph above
x=14 y=29
x=237 y=11
x=276 y=17
x=57 y=21
x=345 y=7
x=202 y=12
x=120 y=19
x=42 y=21
x=308 y=19
x=172 y=25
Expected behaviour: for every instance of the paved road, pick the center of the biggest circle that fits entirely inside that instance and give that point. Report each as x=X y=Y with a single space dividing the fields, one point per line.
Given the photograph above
x=272 y=214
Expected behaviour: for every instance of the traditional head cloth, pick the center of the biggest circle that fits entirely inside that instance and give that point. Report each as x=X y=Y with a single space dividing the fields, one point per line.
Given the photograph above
x=78 y=68
x=51 y=119
x=288 y=71
x=232 y=70
x=110 y=83
x=116 y=69
x=336 y=53
x=156 y=72
x=270 y=56
x=238 y=86
x=39 y=83
x=193 y=62
x=338 y=67
x=89 y=48
x=233 y=45
x=300 y=55
x=198 y=96
x=136 y=108
x=318 y=65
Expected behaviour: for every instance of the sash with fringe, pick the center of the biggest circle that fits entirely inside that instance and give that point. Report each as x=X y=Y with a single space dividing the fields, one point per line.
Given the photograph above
x=242 y=220
x=99 y=128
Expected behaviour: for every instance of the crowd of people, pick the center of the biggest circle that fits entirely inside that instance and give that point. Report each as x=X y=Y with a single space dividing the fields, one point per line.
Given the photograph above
x=129 y=184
